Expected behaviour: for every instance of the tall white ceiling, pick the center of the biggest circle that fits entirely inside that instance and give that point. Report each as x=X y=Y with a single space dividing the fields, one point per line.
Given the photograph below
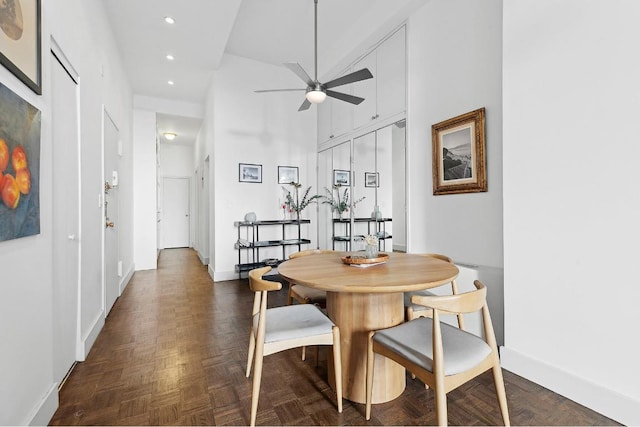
x=271 y=31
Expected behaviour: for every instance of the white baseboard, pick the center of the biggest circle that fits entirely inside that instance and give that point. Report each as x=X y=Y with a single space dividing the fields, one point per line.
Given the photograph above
x=125 y=280
x=92 y=335
x=221 y=276
x=46 y=407
x=605 y=401
x=204 y=260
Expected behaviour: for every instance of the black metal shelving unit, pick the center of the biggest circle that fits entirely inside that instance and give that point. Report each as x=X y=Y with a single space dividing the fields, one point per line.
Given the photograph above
x=379 y=229
x=253 y=245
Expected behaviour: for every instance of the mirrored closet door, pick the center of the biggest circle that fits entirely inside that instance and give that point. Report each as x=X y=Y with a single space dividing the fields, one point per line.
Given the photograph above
x=363 y=181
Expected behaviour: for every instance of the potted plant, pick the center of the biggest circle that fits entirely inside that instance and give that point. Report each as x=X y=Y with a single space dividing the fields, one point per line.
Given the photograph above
x=294 y=203
x=339 y=204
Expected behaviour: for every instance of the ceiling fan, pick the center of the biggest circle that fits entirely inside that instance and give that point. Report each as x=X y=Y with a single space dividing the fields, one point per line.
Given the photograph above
x=317 y=92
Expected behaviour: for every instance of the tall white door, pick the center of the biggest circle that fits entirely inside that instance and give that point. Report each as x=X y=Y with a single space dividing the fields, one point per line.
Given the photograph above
x=66 y=214
x=111 y=276
x=175 y=201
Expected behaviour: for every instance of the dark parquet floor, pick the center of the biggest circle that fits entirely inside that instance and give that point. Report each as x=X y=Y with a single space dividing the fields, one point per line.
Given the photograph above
x=173 y=352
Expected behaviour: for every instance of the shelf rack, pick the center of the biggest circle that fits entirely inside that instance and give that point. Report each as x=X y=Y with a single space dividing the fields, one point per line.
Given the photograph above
x=252 y=246
x=380 y=230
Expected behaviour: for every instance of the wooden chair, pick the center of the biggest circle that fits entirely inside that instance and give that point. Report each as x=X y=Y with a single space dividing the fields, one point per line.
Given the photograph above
x=281 y=328
x=441 y=355
x=305 y=294
x=413 y=311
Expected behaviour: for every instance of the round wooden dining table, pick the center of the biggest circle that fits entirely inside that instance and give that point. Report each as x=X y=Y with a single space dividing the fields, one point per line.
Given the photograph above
x=360 y=300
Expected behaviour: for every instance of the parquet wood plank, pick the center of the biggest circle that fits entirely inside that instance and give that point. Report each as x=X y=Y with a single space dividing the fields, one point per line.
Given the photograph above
x=173 y=352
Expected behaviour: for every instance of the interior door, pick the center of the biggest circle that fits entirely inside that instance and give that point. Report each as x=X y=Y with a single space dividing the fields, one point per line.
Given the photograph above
x=175 y=201
x=111 y=239
x=66 y=217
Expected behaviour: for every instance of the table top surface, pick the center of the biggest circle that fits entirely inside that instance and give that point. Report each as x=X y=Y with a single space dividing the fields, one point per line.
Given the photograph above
x=401 y=273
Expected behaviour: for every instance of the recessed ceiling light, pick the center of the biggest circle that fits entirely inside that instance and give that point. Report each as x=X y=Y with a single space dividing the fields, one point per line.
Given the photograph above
x=169 y=20
x=169 y=57
x=170 y=82
x=170 y=136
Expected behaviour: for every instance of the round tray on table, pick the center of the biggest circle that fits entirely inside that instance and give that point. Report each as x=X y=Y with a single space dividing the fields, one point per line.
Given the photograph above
x=360 y=259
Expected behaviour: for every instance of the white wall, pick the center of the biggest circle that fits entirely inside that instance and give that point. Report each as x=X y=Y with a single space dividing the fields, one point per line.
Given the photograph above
x=28 y=393
x=247 y=127
x=454 y=63
x=571 y=201
x=145 y=236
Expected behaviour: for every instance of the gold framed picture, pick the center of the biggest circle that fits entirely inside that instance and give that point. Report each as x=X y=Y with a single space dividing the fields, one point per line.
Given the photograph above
x=458 y=151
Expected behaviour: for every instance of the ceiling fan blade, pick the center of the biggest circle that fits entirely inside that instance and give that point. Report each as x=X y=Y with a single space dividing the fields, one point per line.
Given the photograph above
x=305 y=105
x=279 y=90
x=300 y=72
x=356 y=76
x=344 y=97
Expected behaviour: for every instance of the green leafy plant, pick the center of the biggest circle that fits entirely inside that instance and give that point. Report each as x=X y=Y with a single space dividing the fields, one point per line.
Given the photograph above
x=296 y=204
x=339 y=204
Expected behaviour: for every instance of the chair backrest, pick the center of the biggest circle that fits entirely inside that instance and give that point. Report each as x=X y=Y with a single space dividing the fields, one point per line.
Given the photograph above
x=467 y=302
x=258 y=284
x=440 y=257
x=309 y=252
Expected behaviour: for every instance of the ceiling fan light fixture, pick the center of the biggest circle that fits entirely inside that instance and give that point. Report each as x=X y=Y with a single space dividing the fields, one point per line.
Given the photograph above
x=316 y=96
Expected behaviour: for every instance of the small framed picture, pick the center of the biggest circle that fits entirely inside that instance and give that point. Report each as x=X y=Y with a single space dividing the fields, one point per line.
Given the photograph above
x=372 y=179
x=287 y=174
x=341 y=177
x=250 y=173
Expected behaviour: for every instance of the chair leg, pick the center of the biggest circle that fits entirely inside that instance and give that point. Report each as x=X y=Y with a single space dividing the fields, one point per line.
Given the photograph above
x=369 y=376
x=502 y=395
x=257 y=377
x=337 y=365
x=304 y=353
x=441 y=404
x=252 y=347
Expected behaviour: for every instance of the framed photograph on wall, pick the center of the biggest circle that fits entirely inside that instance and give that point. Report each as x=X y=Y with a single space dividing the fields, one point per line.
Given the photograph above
x=250 y=173
x=341 y=177
x=287 y=174
x=20 y=48
x=458 y=153
x=372 y=179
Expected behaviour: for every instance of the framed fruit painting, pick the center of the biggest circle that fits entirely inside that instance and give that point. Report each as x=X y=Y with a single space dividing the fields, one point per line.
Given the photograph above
x=19 y=167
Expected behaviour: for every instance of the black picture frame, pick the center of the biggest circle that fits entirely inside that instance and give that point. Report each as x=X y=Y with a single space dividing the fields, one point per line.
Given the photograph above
x=341 y=177
x=372 y=179
x=250 y=172
x=24 y=36
x=288 y=174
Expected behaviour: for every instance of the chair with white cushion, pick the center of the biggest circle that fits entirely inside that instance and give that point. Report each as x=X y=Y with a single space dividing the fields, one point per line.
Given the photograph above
x=281 y=328
x=442 y=356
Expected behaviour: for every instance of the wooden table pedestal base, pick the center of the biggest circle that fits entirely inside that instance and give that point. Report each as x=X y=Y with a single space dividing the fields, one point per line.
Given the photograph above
x=356 y=314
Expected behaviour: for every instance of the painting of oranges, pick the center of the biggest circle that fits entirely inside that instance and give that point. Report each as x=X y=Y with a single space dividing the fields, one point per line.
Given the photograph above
x=19 y=167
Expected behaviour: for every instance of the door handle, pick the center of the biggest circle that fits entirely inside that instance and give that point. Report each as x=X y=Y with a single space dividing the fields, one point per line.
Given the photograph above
x=71 y=237
x=110 y=224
